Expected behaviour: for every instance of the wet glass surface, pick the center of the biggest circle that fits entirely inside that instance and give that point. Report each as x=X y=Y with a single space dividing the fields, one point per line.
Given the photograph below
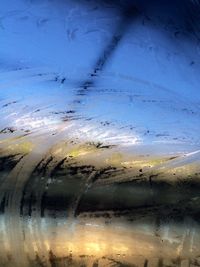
x=99 y=133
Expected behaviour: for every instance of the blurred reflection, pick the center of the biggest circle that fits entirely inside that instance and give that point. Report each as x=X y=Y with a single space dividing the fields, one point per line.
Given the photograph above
x=99 y=133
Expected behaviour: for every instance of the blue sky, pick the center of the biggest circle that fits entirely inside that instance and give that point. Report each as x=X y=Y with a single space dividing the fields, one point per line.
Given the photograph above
x=148 y=90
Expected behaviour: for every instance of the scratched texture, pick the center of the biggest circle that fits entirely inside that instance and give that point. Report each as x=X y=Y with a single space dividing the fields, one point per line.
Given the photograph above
x=99 y=133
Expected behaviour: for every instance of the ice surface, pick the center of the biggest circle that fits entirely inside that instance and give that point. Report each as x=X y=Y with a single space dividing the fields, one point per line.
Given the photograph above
x=99 y=133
